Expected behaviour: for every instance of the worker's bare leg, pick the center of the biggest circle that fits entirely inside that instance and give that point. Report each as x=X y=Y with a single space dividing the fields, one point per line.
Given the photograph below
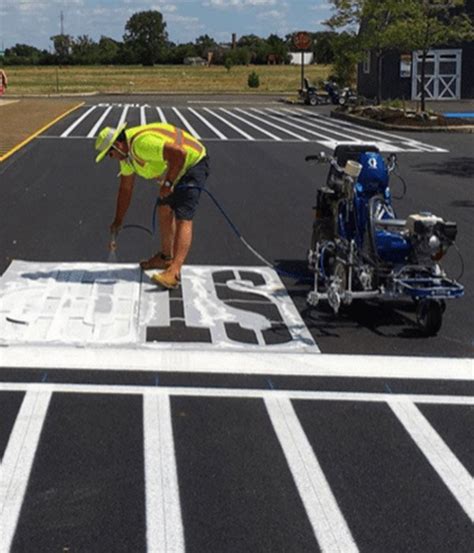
x=182 y=245
x=167 y=229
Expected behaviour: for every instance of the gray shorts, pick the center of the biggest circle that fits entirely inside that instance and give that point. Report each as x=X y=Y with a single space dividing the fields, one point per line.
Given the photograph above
x=184 y=200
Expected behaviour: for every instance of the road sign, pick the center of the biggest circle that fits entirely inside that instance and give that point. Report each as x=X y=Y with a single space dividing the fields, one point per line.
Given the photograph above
x=302 y=41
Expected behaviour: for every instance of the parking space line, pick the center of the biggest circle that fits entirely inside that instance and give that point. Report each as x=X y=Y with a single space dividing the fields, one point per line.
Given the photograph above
x=282 y=129
x=142 y=115
x=208 y=124
x=250 y=124
x=186 y=123
x=328 y=523
x=446 y=464
x=123 y=117
x=161 y=115
x=228 y=123
x=164 y=526
x=18 y=460
x=96 y=127
x=77 y=122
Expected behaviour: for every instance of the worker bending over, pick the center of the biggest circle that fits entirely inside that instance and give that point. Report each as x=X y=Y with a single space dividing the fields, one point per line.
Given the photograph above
x=180 y=165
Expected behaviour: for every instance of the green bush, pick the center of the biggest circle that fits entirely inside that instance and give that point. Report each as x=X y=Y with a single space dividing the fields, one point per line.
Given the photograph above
x=253 y=80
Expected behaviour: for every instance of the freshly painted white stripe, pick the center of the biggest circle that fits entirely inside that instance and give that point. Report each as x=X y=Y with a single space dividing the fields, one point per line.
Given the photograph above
x=208 y=124
x=228 y=123
x=301 y=127
x=273 y=125
x=250 y=124
x=77 y=122
x=18 y=460
x=162 y=115
x=164 y=526
x=186 y=123
x=142 y=115
x=123 y=117
x=328 y=523
x=96 y=127
x=234 y=393
x=446 y=464
x=374 y=132
x=170 y=359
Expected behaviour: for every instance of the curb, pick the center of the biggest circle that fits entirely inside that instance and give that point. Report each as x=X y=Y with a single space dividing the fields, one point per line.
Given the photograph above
x=384 y=126
x=39 y=131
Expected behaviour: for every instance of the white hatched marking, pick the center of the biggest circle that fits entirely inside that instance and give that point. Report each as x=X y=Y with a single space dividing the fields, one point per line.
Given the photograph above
x=164 y=525
x=302 y=128
x=328 y=523
x=250 y=124
x=231 y=125
x=96 y=127
x=446 y=464
x=142 y=115
x=161 y=115
x=280 y=128
x=76 y=123
x=18 y=460
x=123 y=117
x=186 y=123
x=208 y=124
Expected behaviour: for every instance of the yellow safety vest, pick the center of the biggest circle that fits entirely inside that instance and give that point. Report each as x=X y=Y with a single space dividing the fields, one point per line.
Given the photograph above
x=146 y=144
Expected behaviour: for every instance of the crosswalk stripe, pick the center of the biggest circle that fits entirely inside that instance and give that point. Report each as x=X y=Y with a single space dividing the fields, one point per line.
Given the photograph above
x=161 y=115
x=95 y=128
x=331 y=530
x=208 y=124
x=123 y=116
x=228 y=123
x=250 y=124
x=451 y=471
x=186 y=123
x=164 y=525
x=18 y=460
x=310 y=131
x=76 y=123
x=142 y=115
x=269 y=123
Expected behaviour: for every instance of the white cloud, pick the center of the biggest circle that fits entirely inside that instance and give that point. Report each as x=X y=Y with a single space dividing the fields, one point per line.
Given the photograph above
x=239 y=4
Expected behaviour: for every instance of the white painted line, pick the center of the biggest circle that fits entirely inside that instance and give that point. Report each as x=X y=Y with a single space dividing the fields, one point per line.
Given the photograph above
x=18 y=460
x=164 y=526
x=446 y=464
x=96 y=127
x=123 y=117
x=208 y=124
x=76 y=123
x=161 y=115
x=250 y=124
x=186 y=123
x=302 y=128
x=171 y=359
x=235 y=393
x=329 y=525
x=231 y=125
x=273 y=125
x=142 y=115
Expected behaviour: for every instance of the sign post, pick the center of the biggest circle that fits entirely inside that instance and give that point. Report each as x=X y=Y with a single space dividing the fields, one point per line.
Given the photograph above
x=302 y=42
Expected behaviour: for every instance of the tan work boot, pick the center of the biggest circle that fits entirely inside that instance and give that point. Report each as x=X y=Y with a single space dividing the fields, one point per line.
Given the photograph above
x=167 y=279
x=158 y=261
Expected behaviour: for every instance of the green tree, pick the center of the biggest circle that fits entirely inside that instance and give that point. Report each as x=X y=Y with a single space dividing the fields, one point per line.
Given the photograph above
x=146 y=36
x=22 y=54
x=62 y=48
x=204 y=44
x=108 y=50
x=84 y=51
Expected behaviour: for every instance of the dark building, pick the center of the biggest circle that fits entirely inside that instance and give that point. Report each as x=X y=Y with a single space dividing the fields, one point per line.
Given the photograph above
x=449 y=72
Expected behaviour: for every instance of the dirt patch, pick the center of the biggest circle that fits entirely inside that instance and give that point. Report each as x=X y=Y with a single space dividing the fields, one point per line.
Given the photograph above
x=405 y=118
x=20 y=119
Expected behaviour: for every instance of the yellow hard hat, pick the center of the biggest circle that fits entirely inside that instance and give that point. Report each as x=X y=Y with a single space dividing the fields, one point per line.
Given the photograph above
x=105 y=140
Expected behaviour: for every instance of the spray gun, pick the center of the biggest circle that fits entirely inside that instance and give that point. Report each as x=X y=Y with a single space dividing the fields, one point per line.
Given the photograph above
x=113 y=248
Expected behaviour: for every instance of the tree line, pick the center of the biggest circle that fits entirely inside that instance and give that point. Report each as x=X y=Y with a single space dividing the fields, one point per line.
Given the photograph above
x=146 y=42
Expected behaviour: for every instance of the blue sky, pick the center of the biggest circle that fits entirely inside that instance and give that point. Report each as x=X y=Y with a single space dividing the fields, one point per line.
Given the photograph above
x=35 y=21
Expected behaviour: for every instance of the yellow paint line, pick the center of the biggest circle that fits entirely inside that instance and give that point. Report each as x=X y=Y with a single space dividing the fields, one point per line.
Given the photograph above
x=38 y=132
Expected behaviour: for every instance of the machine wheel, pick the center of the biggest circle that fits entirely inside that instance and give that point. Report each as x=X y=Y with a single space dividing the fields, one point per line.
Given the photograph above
x=313 y=100
x=429 y=316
